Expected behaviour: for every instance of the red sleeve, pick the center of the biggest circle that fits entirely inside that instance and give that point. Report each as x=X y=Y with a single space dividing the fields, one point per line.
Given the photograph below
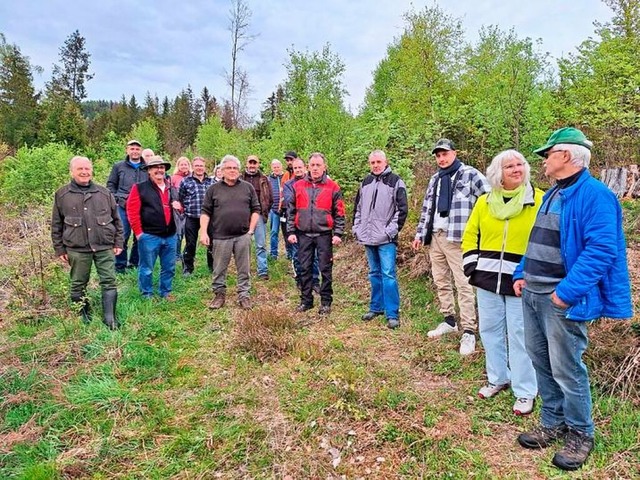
x=133 y=210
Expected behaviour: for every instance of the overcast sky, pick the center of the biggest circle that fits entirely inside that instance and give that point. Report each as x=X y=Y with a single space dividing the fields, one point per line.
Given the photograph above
x=161 y=46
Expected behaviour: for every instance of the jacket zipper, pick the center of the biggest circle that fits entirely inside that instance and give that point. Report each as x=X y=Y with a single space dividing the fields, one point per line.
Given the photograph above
x=504 y=246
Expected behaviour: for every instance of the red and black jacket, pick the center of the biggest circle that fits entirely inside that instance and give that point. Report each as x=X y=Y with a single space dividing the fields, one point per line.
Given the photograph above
x=317 y=207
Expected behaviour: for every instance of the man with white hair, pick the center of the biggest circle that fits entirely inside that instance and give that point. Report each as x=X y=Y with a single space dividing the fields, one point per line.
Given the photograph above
x=574 y=271
x=230 y=213
x=146 y=154
x=86 y=229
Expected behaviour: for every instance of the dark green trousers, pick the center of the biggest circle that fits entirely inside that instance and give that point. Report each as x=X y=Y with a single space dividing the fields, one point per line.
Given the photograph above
x=81 y=262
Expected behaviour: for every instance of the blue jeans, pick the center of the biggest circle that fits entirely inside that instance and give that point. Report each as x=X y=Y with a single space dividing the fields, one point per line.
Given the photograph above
x=260 y=237
x=274 y=226
x=385 y=295
x=121 y=259
x=502 y=333
x=555 y=345
x=151 y=247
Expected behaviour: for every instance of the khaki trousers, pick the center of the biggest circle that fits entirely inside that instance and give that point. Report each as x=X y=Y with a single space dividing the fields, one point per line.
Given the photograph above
x=446 y=261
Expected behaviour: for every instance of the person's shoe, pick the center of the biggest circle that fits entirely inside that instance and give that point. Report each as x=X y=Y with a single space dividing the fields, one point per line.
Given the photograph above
x=541 y=436
x=244 y=303
x=523 y=406
x=371 y=315
x=169 y=297
x=324 y=309
x=316 y=289
x=491 y=390
x=393 y=323
x=186 y=273
x=121 y=271
x=218 y=301
x=443 y=329
x=263 y=276
x=303 y=307
x=467 y=344
x=84 y=307
x=109 y=303
x=576 y=449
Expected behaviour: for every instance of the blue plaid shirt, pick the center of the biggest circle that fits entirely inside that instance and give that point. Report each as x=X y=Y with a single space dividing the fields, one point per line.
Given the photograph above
x=470 y=184
x=191 y=194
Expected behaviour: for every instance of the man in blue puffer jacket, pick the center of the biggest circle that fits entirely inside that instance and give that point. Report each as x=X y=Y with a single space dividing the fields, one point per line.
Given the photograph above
x=575 y=270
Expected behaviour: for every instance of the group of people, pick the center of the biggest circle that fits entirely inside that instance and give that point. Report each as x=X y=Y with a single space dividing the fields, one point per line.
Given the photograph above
x=542 y=265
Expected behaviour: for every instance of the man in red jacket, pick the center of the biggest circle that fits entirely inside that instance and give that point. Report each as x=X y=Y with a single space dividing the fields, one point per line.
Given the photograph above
x=315 y=220
x=151 y=218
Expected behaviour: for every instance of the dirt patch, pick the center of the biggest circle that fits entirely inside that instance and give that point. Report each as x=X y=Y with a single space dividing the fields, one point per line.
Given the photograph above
x=28 y=432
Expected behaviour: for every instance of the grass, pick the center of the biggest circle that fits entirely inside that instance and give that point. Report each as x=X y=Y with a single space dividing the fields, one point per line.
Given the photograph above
x=184 y=392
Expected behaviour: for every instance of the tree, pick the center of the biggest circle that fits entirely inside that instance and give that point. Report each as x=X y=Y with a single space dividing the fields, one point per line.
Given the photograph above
x=209 y=105
x=313 y=112
x=239 y=18
x=18 y=99
x=599 y=86
x=71 y=77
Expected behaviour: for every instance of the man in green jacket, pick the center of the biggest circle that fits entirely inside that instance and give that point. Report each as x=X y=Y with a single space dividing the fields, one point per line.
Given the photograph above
x=85 y=229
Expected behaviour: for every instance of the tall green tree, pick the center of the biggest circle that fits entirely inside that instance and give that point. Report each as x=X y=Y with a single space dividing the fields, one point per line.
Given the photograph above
x=313 y=115
x=71 y=75
x=599 y=86
x=18 y=98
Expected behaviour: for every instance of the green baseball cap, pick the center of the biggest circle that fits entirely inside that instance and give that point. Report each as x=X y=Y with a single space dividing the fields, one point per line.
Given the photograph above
x=565 y=135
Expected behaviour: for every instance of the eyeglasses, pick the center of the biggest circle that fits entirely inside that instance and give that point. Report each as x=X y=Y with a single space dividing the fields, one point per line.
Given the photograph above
x=510 y=168
x=548 y=153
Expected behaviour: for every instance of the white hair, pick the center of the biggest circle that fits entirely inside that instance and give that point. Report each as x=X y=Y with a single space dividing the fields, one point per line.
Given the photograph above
x=494 y=170
x=580 y=156
x=378 y=153
x=76 y=159
x=230 y=159
x=275 y=161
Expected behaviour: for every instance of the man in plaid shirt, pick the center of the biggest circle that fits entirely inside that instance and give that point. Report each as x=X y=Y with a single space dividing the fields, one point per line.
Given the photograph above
x=191 y=196
x=451 y=194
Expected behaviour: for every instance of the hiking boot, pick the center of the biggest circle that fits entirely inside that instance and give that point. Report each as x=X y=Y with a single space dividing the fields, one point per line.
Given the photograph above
x=244 y=303
x=393 y=323
x=263 y=276
x=541 y=436
x=218 y=301
x=523 y=406
x=370 y=316
x=577 y=448
x=324 y=309
x=303 y=307
x=491 y=390
x=467 y=344
x=442 y=329
x=187 y=273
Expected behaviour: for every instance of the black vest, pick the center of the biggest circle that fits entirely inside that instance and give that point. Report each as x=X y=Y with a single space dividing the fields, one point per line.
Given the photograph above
x=152 y=211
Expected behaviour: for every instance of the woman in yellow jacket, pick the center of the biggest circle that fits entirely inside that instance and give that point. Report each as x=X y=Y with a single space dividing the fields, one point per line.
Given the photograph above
x=494 y=240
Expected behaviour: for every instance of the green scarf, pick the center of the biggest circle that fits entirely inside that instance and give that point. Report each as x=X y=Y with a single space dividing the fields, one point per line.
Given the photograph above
x=501 y=210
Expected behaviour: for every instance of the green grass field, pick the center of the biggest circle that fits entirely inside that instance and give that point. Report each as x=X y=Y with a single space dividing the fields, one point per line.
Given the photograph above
x=188 y=393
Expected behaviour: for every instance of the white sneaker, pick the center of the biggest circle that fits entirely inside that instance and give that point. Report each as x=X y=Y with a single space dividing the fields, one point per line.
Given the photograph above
x=491 y=390
x=523 y=406
x=467 y=344
x=441 y=329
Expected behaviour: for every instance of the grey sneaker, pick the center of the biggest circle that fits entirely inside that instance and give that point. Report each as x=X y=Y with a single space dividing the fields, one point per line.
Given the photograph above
x=393 y=323
x=324 y=310
x=442 y=329
x=577 y=448
x=467 y=344
x=541 y=436
x=491 y=390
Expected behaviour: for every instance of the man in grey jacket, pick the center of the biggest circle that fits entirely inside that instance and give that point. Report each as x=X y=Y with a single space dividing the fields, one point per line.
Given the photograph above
x=379 y=215
x=86 y=229
x=124 y=175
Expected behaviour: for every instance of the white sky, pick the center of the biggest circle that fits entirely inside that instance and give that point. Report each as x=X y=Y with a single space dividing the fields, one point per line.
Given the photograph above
x=161 y=46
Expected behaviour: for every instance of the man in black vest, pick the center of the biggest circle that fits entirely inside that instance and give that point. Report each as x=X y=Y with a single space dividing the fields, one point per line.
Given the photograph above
x=151 y=218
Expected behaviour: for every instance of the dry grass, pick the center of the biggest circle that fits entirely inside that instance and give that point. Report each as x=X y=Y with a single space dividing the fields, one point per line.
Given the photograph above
x=265 y=332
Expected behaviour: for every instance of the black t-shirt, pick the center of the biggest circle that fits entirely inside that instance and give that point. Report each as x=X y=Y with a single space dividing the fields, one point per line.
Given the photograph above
x=229 y=208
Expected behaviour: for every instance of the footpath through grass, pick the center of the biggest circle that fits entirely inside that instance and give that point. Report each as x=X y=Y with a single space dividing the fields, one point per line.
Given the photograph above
x=184 y=392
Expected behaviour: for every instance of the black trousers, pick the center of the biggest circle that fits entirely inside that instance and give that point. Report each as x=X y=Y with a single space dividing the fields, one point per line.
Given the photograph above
x=191 y=230
x=307 y=249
